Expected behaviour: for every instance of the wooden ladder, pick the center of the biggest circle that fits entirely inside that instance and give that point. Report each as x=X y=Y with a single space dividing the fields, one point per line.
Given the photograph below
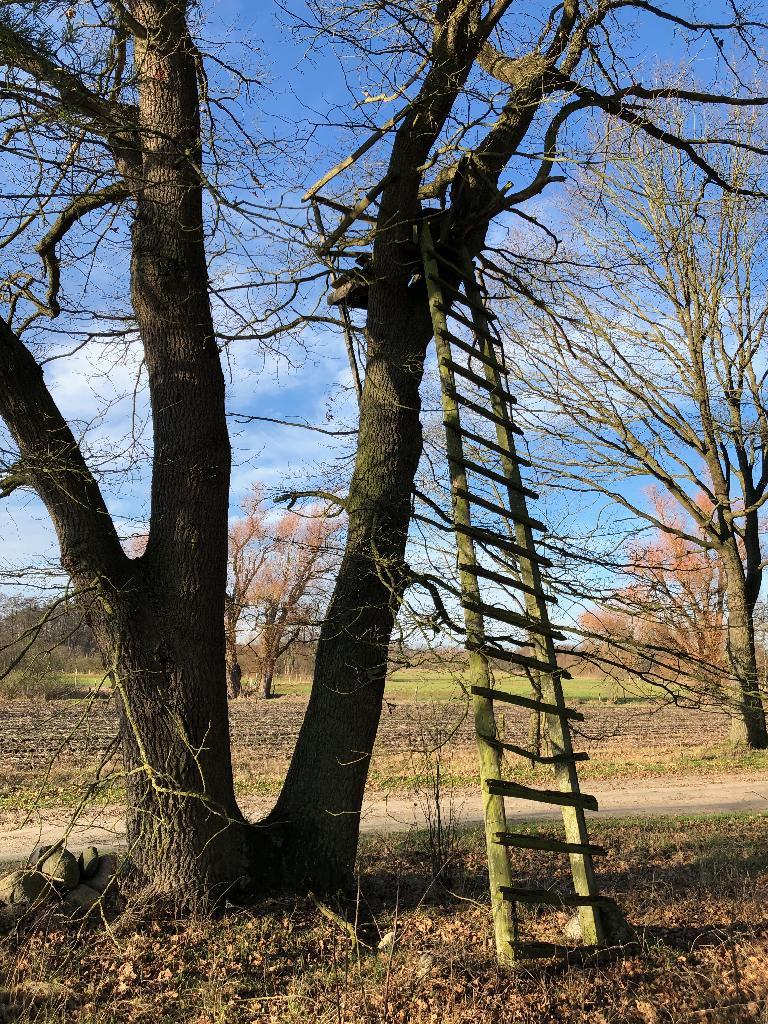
x=457 y=307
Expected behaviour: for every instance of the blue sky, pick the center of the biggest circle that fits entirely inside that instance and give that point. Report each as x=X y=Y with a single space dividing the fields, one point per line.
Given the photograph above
x=95 y=388
x=310 y=385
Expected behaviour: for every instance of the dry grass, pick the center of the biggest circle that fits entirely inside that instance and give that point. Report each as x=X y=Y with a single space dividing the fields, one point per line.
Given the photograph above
x=696 y=890
x=49 y=750
x=261 y=774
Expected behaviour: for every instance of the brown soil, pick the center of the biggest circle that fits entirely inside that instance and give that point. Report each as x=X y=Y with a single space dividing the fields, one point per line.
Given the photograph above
x=34 y=732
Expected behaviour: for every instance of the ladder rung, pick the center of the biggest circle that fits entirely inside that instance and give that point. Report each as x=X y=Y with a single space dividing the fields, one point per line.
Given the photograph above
x=500 y=787
x=499 y=510
x=519 y=659
x=537 y=758
x=489 y=537
x=506 y=581
x=487 y=414
x=475 y=353
x=481 y=382
x=481 y=332
x=459 y=296
x=527 y=702
x=491 y=474
x=523 y=841
x=487 y=443
x=513 y=618
x=551 y=898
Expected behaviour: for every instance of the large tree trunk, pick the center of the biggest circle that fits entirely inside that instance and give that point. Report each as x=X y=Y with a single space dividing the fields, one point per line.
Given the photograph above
x=748 y=725
x=183 y=825
x=185 y=833
x=322 y=796
x=320 y=804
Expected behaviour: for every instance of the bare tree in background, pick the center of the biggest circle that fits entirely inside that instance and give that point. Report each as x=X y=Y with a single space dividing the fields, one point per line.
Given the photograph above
x=667 y=624
x=290 y=592
x=650 y=366
x=280 y=564
x=248 y=552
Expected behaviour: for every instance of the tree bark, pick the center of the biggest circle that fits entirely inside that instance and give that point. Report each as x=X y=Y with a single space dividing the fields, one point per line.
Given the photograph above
x=320 y=804
x=321 y=799
x=748 y=725
x=234 y=677
x=267 y=676
x=185 y=833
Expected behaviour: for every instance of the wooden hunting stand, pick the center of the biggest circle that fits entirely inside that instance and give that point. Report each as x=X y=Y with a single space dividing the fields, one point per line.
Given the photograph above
x=498 y=561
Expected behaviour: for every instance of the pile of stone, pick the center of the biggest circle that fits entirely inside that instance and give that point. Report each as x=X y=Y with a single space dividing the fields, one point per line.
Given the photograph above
x=56 y=874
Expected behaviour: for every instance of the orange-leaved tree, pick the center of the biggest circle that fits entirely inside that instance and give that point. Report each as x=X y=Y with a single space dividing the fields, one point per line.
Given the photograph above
x=248 y=549
x=279 y=569
x=669 y=624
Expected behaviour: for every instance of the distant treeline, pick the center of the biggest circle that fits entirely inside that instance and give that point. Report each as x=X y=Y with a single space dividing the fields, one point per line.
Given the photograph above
x=54 y=634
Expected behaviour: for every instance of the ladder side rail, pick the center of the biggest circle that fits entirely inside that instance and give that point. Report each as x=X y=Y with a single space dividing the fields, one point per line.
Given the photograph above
x=566 y=773
x=489 y=755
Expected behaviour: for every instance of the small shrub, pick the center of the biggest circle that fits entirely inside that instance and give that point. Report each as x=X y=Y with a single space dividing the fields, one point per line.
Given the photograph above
x=433 y=789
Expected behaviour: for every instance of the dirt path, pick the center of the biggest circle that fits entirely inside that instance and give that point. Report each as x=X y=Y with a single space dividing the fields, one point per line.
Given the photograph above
x=668 y=798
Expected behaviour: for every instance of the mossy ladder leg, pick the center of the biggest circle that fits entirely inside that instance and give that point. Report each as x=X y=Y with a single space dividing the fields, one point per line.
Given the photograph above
x=450 y=282
x=490 y=755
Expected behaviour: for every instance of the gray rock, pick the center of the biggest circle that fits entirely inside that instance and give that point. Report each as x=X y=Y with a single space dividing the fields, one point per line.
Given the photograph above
x=40 y=854
x=33 y=887
x=25 y=886
x=89 y=862
x=572 y=930
x=83 y=897
x=8 y=884
x=61 y=867
x=104 y=873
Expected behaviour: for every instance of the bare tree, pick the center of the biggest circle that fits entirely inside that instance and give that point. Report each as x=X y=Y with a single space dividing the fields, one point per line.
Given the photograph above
x=667 y=623
x=279 y=568
x=248 y=552
x=648 y=366
x=481 y=86
x=289 y=593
